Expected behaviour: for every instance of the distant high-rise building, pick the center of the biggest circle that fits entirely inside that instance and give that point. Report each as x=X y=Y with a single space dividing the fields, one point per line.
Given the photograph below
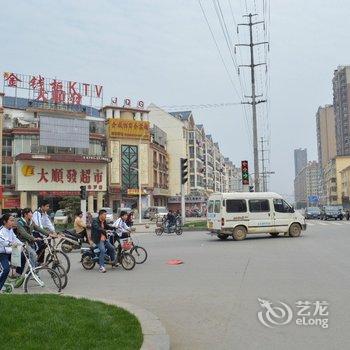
x=326 y=142
x=341 y=103
x=300 y=159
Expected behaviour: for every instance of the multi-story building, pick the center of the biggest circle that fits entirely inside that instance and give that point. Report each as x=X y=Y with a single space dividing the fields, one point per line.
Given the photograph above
x=209 y=164
x=233 y=177
x=51 y=143
x=300 y=160
x=160 y=158
x=306 y=186
x=326 y=142
x=341 y=103
x=129 y=147
x=336 y=180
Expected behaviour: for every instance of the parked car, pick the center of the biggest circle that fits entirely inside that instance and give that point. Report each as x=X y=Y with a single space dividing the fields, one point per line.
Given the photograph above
x=312 y=213
x=332 y=212
x=60 y=218
x=158 y=213
x=109 y=216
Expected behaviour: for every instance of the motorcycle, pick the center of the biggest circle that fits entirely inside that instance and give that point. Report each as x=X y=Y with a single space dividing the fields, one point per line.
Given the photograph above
x=90 y=256
x=165 y=226
x=70 y=240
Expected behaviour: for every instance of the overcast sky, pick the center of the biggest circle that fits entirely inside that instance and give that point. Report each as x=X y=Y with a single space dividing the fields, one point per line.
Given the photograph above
x=161 y=51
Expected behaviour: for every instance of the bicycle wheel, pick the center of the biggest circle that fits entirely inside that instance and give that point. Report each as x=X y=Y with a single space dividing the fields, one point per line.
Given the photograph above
x=59 y=257
x=139 y=254
x=128 y=261
x=178 y=231
x=42 y=280
x=61 y=272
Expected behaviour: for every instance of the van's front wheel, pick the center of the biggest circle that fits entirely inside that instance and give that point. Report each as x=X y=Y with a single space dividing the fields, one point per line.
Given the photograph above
x=239 y=233
x=294 y=230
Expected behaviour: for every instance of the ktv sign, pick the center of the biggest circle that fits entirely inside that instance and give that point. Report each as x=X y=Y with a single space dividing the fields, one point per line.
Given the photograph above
x=51 y=90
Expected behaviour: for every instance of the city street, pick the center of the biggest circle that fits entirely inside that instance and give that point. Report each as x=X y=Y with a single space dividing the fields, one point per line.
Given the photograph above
x=211 y=301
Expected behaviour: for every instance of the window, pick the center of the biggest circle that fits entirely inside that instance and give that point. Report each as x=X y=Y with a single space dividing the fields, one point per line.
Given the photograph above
x=129 y=160
x=210 y=206
x=259 y=205
x=236 y=206
x=6 y=175
x=281 y=206
x=217 y=206
x=6 y=147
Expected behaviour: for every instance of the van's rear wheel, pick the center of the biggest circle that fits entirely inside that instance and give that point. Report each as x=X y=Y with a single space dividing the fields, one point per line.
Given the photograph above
x=239 y=233
x=222 y=237
x=274 y=234
x=294 y=230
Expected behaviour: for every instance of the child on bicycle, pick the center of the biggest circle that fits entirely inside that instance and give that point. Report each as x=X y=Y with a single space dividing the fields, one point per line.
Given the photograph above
x=121 y=228
x=8 y=240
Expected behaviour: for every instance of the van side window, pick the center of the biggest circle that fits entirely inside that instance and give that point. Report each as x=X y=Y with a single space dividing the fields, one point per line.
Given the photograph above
x=281 y=206
x=217 y=206
x=259 y=205
x=236 y=206
x=210 y=206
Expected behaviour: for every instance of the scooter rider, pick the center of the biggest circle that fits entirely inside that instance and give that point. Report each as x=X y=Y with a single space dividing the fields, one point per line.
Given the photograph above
x=99 y=237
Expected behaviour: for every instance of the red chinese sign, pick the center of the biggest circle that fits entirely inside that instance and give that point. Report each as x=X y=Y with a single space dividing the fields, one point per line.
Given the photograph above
x=11 y=202
x=54 y=90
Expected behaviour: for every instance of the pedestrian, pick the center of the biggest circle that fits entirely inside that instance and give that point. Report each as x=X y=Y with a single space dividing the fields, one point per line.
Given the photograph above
x=99 y=237
x=8 y=240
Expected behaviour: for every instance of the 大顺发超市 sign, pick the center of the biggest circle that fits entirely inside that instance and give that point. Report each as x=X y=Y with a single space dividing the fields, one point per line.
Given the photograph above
x=125 y=128
x=60 y=176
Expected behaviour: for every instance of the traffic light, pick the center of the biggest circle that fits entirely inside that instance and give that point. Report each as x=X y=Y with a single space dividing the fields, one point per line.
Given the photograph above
x=245 y=172
x=184 y=171
x=83 y=192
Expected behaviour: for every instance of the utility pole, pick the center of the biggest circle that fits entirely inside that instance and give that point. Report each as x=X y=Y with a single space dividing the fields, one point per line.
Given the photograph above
x=254 y=102
x=263 y=169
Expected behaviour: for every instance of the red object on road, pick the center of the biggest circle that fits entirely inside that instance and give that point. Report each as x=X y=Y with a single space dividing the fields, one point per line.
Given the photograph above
x=175 y=262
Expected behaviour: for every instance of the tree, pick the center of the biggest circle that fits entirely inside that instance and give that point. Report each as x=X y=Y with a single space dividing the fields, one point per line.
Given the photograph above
x=70 y=205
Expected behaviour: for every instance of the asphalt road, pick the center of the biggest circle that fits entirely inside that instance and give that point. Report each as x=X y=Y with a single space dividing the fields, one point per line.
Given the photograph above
x=211 y=301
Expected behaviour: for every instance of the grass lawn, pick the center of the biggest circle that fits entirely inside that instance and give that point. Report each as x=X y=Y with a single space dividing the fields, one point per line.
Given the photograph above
x=196 y=224
x=57 y=322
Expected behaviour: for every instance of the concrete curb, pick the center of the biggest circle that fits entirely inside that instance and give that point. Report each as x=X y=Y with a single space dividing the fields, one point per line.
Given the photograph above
x=154 y=333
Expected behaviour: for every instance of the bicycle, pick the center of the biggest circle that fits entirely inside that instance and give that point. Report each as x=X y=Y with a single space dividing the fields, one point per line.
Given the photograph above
x=41 y=279
x=139 y=253
x=55 y=256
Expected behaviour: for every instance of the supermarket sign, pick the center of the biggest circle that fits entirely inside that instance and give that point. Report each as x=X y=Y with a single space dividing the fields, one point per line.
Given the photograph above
x=60 y=176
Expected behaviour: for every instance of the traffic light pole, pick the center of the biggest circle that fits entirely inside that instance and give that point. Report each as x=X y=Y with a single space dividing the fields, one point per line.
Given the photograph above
x=183 y=205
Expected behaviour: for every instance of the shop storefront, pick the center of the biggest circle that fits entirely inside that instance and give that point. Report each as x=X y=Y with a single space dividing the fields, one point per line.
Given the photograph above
x=57 y=176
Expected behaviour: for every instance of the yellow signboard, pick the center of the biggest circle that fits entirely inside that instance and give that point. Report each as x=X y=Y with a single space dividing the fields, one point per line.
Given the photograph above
x=135 y=192
x=125 y=128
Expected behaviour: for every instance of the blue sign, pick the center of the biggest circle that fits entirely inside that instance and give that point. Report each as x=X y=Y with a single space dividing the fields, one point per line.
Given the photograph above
x=313 y=199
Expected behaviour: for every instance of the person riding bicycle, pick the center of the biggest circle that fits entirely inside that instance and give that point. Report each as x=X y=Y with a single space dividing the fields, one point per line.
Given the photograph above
x=25 y=228
x=8 y=240
x=99 y=237
x=121 y=228
x=41 y=219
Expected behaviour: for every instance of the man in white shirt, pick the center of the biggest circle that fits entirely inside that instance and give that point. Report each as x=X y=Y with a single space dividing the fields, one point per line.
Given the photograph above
x=41 y=218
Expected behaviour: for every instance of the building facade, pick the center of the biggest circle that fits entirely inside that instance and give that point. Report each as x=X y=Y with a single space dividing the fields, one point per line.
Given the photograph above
x=336 y=180
x=300 y=159
x=306 y=188
x=341 y=102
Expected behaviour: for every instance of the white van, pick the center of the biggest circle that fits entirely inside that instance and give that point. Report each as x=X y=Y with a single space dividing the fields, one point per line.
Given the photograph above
x=239 y=213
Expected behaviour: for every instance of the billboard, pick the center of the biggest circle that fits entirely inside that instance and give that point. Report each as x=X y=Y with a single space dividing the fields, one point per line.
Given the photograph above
x=128 y=128
x=64 y=132
x=39 y=176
